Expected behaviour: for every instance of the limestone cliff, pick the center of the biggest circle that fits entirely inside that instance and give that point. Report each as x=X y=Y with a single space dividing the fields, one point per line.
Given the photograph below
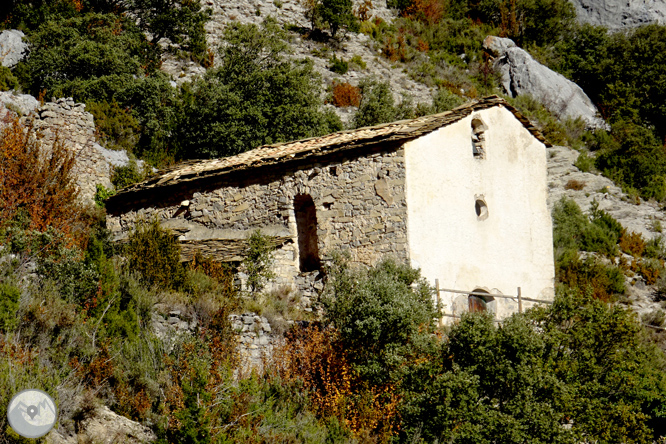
x=620 y=14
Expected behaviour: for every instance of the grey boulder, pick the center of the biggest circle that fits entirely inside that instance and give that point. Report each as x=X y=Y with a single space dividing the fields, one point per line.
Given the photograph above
x=12 y=47
x=521 y=74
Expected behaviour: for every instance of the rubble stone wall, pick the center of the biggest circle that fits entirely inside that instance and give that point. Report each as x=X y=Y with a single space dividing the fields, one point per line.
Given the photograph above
x=360 y=208
x=68 y=122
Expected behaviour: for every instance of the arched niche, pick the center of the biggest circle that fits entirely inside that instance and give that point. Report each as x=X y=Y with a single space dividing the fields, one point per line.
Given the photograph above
x=306 y=228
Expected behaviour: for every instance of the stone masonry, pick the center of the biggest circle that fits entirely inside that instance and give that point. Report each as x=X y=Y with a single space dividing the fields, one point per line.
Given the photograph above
x=360 y=208
x=68 y=122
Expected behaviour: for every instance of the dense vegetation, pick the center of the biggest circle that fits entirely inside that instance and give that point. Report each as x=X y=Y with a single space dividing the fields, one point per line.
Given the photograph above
x=76 y=320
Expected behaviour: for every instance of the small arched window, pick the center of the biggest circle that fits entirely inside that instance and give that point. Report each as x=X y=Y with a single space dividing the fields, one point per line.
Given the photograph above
x=477 y=302
x=481 y=209
x=306 y=227
x=478 y=139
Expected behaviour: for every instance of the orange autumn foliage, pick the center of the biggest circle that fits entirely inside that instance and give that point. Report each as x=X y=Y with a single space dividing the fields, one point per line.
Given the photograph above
x=316 y=358
x=38 y=183
x=345 y=94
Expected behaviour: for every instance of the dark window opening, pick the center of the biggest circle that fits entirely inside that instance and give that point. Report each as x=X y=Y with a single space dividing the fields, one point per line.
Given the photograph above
x=481 y=209
x=478 y=139
x=306 y=227
x=478 y=303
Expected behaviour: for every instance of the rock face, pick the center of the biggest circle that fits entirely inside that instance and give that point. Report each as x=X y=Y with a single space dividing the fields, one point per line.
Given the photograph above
x=291 y=12
x=620 y=14
x=20 y=104
x=12 y=47
x=521 y=74
x=106 y=427
x=639 y=218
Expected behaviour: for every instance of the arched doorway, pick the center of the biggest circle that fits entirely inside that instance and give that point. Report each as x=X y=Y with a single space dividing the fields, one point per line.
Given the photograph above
x=306 y=228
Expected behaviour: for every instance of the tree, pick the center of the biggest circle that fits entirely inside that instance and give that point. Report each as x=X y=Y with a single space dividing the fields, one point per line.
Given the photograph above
x=254 y=97
x=377 y=105
x=334 y=14
x=180 y=21
x=89 y=57
x=580 y=363
x=381 y=313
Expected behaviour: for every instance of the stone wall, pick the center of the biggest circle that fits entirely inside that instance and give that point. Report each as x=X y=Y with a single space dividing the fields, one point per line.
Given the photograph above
x=68 y=122
x=360 y=207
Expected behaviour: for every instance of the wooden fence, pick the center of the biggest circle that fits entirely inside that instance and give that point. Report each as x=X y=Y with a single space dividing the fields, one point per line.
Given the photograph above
x=517 y=298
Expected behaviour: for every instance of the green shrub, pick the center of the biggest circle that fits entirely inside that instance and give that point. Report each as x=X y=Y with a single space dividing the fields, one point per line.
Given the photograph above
x=127 y=175
x=258 y=261
x=357 y=62
x=445 y=100
x=655 y=248
x=377 y=104
x=380 y=313
x=573 y=231
x=9 y=304
x=7 y=79
x=256 y=96
x=101 y=194
x=154 y=253
x=338 y=66
x=75 y=280
x=117 y=128
x=584 y=163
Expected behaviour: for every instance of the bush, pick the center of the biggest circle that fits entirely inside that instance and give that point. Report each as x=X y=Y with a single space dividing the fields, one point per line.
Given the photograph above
x=116 y=128
x=574 y=184
x=154 y=253
x=258 y=261
x=338 y=66
x=7 y=80
x=377 y=105
x=604 y=282
x=345 y=94
x=380 y=313
x=101 y=194
x=584 y=163
x=39 y=189
x=573 y=231
x=125 y=176
x=257 y=96
x=9 y=304
x=632 y=243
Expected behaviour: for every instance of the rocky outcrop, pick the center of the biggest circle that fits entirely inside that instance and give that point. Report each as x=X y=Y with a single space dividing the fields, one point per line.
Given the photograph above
x=565 y=180
x=620 y=14
x=291 y=12
x=521 y=74
x=18 y=104
x=106 y=427
x=12 y=47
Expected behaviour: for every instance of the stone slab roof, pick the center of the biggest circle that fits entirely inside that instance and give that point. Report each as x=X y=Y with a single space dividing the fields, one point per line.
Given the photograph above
x=403 y=130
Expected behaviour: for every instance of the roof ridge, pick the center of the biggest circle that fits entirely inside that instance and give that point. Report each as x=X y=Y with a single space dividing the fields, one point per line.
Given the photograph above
x=318 y=145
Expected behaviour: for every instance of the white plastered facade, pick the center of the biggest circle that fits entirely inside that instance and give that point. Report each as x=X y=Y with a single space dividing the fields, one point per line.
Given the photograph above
x=512 y=247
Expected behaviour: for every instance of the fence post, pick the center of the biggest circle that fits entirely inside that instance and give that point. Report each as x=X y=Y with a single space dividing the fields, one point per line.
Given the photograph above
x=520 y=301
x=439 y=307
